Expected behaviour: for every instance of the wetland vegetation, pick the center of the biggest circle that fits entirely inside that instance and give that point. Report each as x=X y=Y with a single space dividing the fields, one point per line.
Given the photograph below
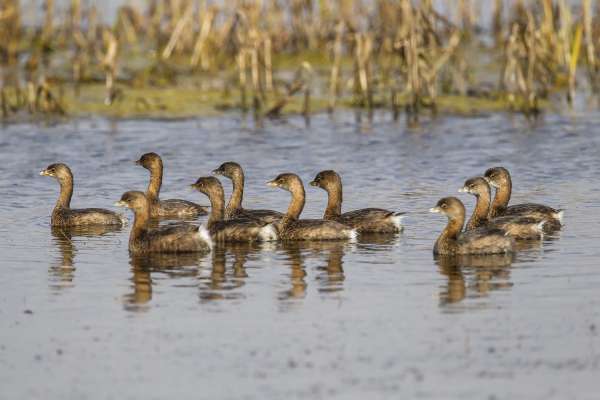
x=185 y=58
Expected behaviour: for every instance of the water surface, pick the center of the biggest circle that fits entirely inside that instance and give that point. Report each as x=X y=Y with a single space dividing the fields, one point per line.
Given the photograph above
x=380 y=318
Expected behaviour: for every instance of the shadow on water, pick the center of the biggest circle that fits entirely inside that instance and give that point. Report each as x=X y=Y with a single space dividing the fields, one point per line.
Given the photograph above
x=380 y=239
x=62 y=270
x=529 y=250
x=220 y=283
x=473 y=276
x=171 y=266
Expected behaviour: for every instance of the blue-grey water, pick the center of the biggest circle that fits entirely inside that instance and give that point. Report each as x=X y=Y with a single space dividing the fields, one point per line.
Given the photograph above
x=80 y=319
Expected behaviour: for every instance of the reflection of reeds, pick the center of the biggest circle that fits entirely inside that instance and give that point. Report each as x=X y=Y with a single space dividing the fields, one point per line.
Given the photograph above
x=401 y=53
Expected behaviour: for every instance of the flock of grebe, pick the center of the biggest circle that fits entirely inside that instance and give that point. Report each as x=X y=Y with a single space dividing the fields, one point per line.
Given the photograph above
x=492 y=229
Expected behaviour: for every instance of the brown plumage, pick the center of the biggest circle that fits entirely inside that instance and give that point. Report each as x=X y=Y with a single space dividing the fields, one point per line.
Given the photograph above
x=499 y=178
x=171 y=208
x=233 y=230
x=292 y=228
x=481 y=240
x=63 y=215
x=373 y=220
x=234 y=209
x=519 y=227
x=180 y=238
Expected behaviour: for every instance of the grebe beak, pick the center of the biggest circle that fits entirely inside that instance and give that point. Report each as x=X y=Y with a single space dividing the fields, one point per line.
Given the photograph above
x=44 y=172
x=436 y=210
x=120 y=203
x=464 y=190
x=138 y=162
x=217 y=172
x=272 y=183
x=314 y=183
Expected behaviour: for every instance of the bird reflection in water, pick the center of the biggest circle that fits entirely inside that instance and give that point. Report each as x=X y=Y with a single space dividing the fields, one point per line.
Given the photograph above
x=379 y=239
x=297 y=275
x=330 y=276
x=62 y=270
x=220 y=284
x=161 y=266
x=473 y=275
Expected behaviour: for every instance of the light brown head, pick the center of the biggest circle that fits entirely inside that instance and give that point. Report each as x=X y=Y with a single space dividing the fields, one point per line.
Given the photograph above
x=451 y=207
x=498 y=177
x=150 y=161
x=327 y=180
x=59 y=171
x=210 y=186
x=287 y=181
x=477 y=186
x=134 y=200
x=229 y=169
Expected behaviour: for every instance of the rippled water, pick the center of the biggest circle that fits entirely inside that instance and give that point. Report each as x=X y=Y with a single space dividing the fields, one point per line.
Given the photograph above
x=81 y=319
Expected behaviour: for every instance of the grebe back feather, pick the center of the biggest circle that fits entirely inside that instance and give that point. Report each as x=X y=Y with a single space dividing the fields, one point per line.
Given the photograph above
x=180 y=238
x=170 y=208
x=64 y=215
x=500 y=179
x=291 y=227
x=519 y=227
x=371 y=220
x=482 y=240
x=234 y=208
x=233 y=230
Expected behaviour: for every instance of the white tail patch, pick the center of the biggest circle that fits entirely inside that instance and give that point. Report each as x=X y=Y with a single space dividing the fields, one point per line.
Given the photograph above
x=559 y=215
x=204 y=235
x=540 y=226
x=352 y=235
x=397 y=221
x=268 y=233
x=124 y=220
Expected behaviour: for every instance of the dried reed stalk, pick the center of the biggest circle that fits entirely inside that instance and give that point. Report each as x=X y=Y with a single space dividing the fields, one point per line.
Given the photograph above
x=399 y=49
x=335 y=67
x=178 y=30
x=109 y=63
x=200 y=48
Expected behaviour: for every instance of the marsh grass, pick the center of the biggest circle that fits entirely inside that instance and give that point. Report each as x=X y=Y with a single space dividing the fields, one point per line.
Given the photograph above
x=180 y=58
